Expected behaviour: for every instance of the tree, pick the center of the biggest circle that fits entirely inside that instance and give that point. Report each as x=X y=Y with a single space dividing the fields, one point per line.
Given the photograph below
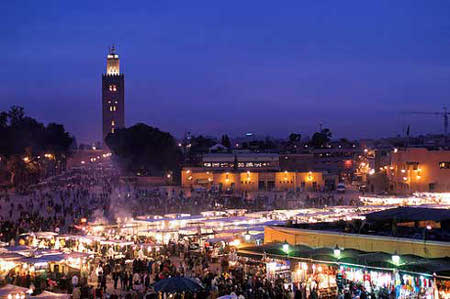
x=226 y=141
x=294 y=137
x=201 y=144
x=145 y=149
x=22 y=136
x=16 y=115
x=320 y=139
x=57 y=139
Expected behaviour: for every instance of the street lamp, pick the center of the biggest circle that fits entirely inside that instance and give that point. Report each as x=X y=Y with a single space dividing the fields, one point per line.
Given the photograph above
x=337 y=251
x=396 y=258
x=247 y=236
x=285 y=248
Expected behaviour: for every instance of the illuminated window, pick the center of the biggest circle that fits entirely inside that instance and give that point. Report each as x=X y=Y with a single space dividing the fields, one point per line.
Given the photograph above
x=113 y=123
x=110 y=108
x=113 y=87
x=444 y=165
x=112 y=130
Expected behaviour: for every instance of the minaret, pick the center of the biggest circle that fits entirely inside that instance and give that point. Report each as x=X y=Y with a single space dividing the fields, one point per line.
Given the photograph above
x=113 y=101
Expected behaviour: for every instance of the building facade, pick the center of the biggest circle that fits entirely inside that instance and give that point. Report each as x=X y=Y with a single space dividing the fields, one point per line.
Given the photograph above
x=113 y=96
x=419 y=170
x=248 y=171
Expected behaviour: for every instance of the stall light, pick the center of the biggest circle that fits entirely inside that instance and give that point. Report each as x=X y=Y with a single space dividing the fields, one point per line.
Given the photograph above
x=395 y=150
x=418 y=177
x=309 y=176
x=403 y=171
x=428 y=227
x=305 y=266
x=405 y=178
x=235 y=243
x=285 y=248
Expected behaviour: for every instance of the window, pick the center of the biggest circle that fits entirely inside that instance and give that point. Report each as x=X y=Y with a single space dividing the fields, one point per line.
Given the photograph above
x=414 y=165
x=112 y=108
x=113 y=87
x=112 y=130
x=444 y=165
x=113 y=123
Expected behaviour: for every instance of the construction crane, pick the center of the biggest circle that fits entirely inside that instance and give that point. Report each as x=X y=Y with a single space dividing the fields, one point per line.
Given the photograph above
x=444 y=114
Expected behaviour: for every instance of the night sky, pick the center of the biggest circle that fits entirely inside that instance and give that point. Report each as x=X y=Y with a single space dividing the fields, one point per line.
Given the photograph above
x=215 y=67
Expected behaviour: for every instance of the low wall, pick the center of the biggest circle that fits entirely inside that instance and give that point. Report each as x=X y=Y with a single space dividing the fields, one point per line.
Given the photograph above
x=368 y=243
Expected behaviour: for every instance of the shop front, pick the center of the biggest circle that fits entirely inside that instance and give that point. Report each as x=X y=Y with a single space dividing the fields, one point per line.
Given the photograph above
x=315 y=276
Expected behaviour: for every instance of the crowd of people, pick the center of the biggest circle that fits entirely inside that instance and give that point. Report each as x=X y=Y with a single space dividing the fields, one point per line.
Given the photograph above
x=59 y=203
x=218 y=277
x=56 y=204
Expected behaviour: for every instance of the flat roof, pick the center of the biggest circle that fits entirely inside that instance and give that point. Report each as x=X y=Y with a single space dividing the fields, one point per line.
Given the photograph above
x=409 y=214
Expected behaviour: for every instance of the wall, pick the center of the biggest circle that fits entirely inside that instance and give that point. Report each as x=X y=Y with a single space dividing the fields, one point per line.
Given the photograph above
x=407 y=178
x=314 y=238
x=250 y=181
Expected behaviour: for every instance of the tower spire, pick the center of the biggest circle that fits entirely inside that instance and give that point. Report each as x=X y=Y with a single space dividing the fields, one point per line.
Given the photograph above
x=113 y=104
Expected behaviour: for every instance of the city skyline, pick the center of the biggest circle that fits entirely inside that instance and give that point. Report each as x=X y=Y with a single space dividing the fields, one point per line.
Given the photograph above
x=229 y=68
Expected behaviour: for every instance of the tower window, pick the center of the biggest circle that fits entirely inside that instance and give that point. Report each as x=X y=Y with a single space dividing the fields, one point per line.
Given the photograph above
x=113 y=87
x=112 y=108
x=112 y=130
x=113 y=123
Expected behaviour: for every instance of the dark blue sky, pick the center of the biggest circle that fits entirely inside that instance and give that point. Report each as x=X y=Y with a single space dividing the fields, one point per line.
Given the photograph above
x=214 y=67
